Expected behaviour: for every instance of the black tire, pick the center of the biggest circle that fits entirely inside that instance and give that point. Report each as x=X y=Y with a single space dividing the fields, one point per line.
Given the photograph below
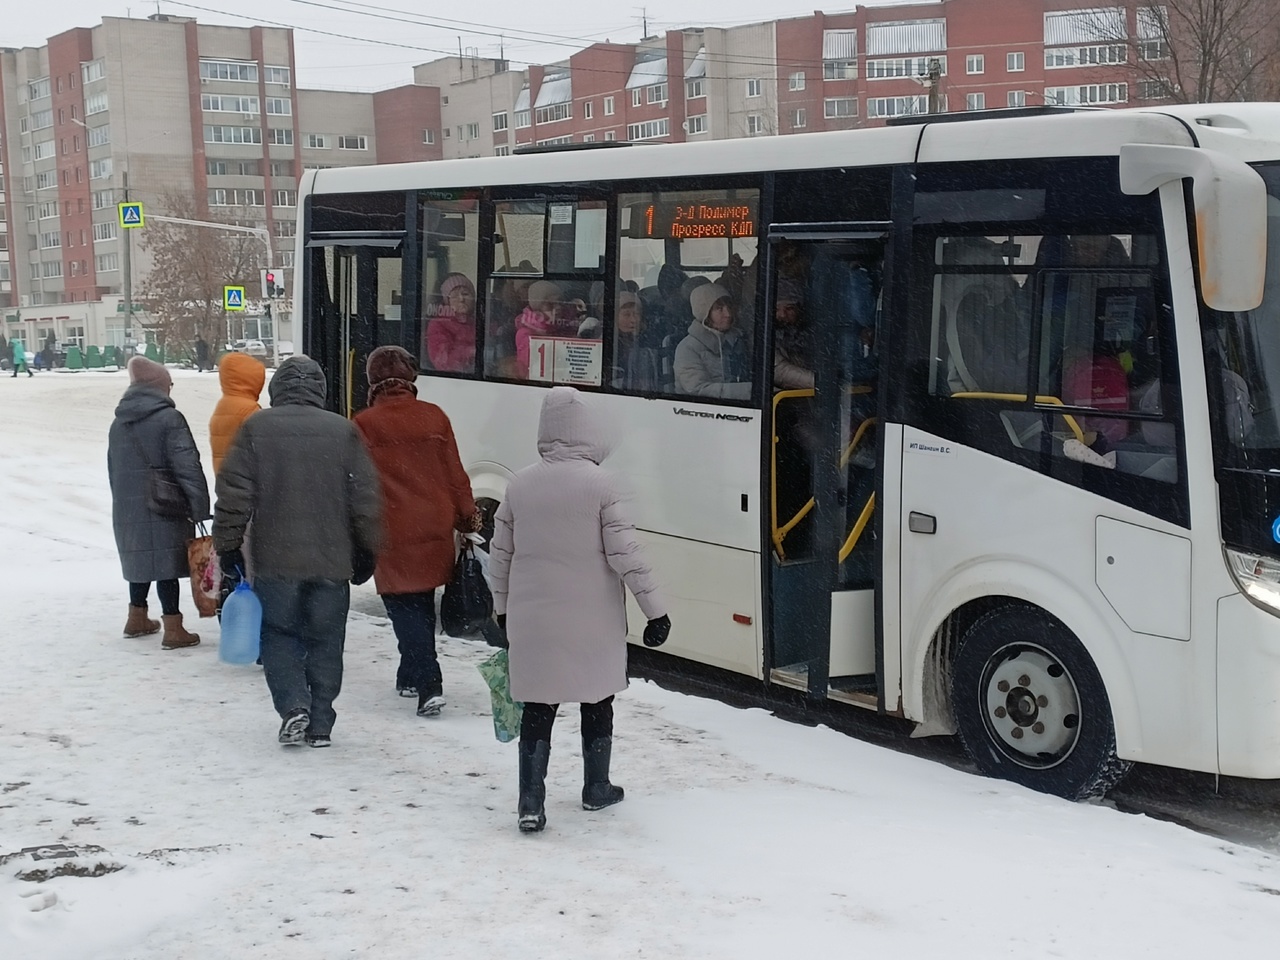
x=1031 y=707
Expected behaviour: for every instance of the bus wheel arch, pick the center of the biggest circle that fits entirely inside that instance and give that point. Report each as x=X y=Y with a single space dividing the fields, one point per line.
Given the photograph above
x=488 y=487
x=1030 y=704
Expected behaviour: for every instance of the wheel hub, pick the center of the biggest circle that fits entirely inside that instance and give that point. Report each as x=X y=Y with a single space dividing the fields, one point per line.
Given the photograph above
x=1031 y=705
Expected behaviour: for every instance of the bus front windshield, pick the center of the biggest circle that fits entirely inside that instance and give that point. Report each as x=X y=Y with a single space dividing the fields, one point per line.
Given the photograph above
x=1246 y=349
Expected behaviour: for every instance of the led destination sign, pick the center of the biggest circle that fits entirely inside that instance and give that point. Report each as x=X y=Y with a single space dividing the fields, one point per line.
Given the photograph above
x=666 y=220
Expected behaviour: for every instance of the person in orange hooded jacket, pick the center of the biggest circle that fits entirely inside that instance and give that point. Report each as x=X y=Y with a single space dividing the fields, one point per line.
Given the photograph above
x=241 y=378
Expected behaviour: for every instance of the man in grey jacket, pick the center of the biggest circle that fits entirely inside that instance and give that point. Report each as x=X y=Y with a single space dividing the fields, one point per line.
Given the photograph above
x=301 y=474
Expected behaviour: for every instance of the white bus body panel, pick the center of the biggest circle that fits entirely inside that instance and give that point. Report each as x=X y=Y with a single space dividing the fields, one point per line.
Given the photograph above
x=690 y=467
x=1248 y=690
x=853 y=633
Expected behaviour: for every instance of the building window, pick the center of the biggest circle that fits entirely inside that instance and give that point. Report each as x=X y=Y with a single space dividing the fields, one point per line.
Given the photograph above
x=610 y=135
x=281 y=168
x=447 y=134
x=229 y=70
x=637 y=97
x=49 y=208
x=353 y=143
x=233 y=168
x=657 y=93
x=102 y=199
x=608 y=106
x=588 y=138
x=319 y=141
x=1153 y=50
x=904 y=67
x=697 y=124
x=100 y=169
x=649 y=130
x=522 y=121
x=428 y=137
x=502 y=151
x=1017 y=98
x=796 y=81
x=555 y=141
x=50 y=240
x=284 y=228
x=216 y=134
x=500 y=121
x=1093 y=56
x=839 y=69
x=280 y=136
x=975 y=101
x=214 y=103
x=473 y=131
x=284 y=198
x=99 y=136
x=90 y=72
x=553 y=113
x=1088 y=93
x=755 y=124
x=280 y=106
x=1155 y=90
x=897 y=106
x=755 y=86
x=38 y=89
x=975 y=63
x=107 y=262
x=693 y=89
x=44 y=150
x=41 y=119
x=51 y=268
x=799 y=118
x=1015 y=62
x=276 y=75
x=838 y=107
x=586 y=110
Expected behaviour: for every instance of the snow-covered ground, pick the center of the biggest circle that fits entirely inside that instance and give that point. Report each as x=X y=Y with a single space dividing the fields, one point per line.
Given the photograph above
x=741 y=836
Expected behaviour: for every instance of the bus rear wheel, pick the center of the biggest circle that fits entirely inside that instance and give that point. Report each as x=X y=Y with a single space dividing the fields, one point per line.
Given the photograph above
x=1031 y=707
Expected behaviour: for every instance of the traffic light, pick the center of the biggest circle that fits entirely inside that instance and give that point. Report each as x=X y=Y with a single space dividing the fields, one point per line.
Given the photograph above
x=272 y=284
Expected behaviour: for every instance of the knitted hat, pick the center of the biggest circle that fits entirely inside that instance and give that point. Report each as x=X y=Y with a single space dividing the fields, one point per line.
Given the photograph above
x=148 y=373
x=702 y=298
x=452 y=282
x=790 y=291
x=391 y=363
x=543 y=291
x=626 y=296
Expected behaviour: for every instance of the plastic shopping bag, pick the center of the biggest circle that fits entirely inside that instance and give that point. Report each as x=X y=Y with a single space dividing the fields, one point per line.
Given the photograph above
x=506 y=712
x=206 y=573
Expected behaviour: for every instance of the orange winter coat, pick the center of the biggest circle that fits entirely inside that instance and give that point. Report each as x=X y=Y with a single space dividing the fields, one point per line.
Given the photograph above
x=426 y=493
x=241 y=377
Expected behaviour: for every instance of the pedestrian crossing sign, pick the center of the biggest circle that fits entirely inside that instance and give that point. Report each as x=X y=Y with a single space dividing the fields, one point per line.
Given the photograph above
x=233 y=298
x=130 y=215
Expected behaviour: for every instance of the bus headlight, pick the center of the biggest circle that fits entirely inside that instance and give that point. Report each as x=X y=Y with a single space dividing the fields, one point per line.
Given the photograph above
x=1257 y=577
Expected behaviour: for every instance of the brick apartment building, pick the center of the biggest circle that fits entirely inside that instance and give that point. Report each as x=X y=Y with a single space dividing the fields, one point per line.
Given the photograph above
x=168 y=105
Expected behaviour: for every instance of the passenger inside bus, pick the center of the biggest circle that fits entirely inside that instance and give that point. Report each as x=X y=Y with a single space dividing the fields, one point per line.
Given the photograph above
x=713 y=360
x=451 y=333
x=635 y=366
x=792 y=338
x=540 y=317
x=508 y=297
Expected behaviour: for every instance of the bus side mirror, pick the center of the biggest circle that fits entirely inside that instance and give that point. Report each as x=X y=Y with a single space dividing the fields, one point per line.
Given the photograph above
x=1230 y=202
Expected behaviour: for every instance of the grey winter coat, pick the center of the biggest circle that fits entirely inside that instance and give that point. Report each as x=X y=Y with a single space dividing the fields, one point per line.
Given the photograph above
x=151 y=547
x=562 y=550
x=713 y=364
x=302 y=475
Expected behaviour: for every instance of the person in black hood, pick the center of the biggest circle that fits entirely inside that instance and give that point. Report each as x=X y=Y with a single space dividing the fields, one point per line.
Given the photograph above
x=303 y=477
x=149 y=432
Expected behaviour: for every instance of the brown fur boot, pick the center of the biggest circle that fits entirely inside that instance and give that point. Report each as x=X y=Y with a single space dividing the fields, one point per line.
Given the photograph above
x=138 y=625
x=174 y=635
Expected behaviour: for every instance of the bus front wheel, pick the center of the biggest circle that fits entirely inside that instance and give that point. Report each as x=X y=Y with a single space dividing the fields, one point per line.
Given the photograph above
x=1031 y=707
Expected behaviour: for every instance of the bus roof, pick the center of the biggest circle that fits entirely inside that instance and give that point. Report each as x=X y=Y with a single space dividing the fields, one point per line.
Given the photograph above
x=1249 y=131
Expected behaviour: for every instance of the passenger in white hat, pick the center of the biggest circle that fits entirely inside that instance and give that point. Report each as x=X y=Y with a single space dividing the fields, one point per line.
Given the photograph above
x=713 y=360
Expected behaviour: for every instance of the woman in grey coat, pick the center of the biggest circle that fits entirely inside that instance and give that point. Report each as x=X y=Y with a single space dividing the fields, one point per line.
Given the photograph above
x=148 y=431
x=562 y=550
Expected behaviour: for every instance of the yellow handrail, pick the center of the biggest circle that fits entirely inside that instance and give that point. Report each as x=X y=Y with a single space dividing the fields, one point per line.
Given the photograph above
x=1022 y=398
x=856 y=533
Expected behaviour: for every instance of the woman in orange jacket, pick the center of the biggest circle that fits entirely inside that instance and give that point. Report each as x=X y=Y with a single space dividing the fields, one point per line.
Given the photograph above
x=241 y=378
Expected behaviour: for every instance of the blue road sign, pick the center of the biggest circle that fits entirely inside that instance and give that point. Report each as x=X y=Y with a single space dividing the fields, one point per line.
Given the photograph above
x=130 y=215
x=233 y=298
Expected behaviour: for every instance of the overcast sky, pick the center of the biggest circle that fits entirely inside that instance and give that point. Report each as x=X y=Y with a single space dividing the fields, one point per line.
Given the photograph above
x=329 y=34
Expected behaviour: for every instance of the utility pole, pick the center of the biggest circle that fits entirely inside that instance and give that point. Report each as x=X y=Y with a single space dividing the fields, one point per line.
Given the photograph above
x=933 y=81
x=126 y=266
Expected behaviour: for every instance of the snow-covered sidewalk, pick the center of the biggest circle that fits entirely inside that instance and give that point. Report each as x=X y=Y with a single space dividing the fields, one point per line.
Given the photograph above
x=742 y=836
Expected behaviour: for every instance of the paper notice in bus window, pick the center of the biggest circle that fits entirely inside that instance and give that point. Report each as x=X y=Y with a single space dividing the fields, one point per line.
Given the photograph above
x=561 y=213
x=566 y=360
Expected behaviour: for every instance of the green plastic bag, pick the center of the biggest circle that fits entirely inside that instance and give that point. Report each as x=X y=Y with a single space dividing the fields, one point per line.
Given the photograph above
x=506 y=712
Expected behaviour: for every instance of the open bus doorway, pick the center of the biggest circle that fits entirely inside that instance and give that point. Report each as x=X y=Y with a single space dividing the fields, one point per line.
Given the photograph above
x=824 y=292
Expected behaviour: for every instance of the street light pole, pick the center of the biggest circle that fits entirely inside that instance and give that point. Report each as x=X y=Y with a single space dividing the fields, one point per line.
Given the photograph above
x=126 y=265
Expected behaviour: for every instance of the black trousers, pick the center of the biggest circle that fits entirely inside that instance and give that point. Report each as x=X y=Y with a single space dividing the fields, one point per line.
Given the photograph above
x=538 y=718
x=166 y=590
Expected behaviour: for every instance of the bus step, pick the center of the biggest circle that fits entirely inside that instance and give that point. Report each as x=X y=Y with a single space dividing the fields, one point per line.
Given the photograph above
x=859 y=691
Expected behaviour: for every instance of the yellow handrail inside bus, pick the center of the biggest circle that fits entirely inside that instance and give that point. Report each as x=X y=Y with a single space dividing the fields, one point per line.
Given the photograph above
x=1022 y=398
x=856 y=533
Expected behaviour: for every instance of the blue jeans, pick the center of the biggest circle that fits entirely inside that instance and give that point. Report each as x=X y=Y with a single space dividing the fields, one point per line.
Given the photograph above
x=304 y=630
x=413 y=618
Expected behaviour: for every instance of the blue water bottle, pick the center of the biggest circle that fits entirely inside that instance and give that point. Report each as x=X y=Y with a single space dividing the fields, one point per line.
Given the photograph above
x=241 y=625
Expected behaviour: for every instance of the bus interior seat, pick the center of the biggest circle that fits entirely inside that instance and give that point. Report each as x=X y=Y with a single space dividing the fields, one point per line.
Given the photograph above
x=986 y=333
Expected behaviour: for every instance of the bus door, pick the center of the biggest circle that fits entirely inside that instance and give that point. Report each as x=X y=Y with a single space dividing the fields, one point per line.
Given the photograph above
x=823 y=294
x=358 y=288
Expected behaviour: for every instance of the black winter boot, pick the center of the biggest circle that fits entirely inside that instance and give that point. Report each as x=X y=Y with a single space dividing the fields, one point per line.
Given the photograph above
x=597 y=791
x=533 y=785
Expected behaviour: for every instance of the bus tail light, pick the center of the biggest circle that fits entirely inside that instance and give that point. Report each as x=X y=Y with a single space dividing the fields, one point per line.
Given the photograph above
x=1257 y=577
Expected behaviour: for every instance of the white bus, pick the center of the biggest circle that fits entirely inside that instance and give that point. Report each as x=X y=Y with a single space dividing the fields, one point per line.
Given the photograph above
x=991 y=444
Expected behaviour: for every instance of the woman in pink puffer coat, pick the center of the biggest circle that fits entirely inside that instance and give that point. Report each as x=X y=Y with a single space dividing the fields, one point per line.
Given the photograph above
x=562 y=550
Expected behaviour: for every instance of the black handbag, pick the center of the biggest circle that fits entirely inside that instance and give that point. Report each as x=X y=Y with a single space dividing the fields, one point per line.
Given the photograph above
x=165 y=496
x=467 y=603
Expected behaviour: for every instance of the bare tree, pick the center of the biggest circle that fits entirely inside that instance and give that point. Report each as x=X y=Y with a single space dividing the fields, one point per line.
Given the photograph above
x=190 y=266
x=1196 y=51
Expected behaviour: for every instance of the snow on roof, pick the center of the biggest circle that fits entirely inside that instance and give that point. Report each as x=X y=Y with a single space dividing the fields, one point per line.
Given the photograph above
x=648 y=72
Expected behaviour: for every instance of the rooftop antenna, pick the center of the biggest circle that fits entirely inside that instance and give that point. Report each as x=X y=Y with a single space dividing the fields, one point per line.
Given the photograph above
x=644 y=22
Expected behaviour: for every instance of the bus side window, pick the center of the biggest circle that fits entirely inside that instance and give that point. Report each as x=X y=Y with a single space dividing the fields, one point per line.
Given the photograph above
x=450 y=266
